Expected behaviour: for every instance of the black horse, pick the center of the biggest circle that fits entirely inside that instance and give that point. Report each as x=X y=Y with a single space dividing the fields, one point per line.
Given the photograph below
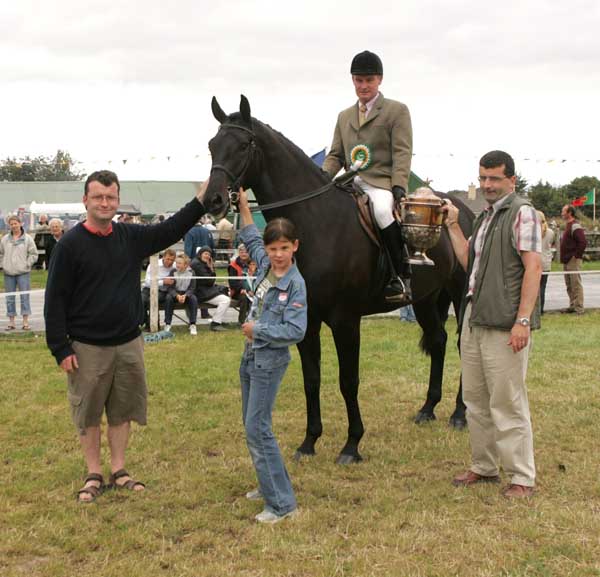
x=338 y=261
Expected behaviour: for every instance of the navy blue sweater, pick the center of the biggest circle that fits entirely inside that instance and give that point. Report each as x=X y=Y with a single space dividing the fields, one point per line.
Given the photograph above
x=93 y=291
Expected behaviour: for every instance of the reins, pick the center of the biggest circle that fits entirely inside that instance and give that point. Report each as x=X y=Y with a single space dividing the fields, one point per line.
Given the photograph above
x=293 y=200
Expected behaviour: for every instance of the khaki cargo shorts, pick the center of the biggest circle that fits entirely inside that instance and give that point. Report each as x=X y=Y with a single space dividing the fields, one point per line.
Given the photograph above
x=111 y=378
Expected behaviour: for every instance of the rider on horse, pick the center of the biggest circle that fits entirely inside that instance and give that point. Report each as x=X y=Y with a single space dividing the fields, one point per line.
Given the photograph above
x=378 y=132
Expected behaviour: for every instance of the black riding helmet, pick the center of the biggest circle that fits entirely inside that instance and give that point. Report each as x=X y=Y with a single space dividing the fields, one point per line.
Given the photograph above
x=366 y=63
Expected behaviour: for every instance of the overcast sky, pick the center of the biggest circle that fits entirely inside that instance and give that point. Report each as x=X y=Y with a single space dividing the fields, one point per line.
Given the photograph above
x=133 y=80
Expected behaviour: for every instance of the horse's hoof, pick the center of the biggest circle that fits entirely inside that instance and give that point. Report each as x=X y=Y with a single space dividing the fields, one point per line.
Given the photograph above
x=423 y=417
x=458 y=423
x=299 y=455
x=345 y=459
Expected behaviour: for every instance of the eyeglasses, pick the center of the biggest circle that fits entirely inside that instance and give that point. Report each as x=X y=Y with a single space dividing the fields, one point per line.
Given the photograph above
x=108 y=198
x=493 y=179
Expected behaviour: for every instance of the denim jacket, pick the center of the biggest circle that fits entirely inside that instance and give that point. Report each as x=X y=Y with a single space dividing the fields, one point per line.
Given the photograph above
x=283 y=319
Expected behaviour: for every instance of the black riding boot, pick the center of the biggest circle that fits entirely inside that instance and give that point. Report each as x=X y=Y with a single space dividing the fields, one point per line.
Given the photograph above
x=398 y=290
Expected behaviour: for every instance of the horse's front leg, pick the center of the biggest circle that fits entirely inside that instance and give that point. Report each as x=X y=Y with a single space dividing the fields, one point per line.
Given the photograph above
x=346 y=335
x=310 y=356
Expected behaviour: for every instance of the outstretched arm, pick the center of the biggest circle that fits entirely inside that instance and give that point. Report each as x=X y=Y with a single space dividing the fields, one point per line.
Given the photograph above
x=245 y=213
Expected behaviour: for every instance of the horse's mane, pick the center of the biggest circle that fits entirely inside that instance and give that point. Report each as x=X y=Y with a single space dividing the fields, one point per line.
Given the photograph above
x=261 y=129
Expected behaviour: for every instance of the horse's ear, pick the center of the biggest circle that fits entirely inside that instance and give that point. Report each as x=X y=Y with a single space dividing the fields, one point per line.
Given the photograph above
x=217 y=111
x=245 y=109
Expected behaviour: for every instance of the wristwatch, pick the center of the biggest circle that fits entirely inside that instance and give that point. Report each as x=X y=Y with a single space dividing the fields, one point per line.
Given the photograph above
x=523 y=321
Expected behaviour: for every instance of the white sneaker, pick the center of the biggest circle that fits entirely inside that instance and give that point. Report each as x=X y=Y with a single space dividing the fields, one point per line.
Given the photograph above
x=254 y=495
x=272 y=518
x=168 y=328
x=193 y=330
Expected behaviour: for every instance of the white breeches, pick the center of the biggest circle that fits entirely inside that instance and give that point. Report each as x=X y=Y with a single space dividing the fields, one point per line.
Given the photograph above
x=382 y=201
x=222 y=304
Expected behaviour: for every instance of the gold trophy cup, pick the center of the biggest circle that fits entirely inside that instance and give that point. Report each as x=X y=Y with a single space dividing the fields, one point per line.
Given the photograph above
x=422 y=220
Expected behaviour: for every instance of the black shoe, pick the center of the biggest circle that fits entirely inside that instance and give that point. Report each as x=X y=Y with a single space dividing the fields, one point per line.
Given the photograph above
x=398 y=291
x=217 y=327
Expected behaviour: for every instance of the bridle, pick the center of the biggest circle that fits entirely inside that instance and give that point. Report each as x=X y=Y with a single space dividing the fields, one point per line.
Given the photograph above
x=233 y=188
x=236 y=181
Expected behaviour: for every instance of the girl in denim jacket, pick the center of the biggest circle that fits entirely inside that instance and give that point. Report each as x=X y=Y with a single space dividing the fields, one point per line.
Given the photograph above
x=277 y=319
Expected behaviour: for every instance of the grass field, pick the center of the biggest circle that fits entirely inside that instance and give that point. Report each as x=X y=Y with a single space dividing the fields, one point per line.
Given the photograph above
x=395 y=514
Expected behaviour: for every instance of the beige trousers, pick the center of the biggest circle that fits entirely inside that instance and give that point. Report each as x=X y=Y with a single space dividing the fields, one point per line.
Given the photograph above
x=497 y=406
x=574 y=286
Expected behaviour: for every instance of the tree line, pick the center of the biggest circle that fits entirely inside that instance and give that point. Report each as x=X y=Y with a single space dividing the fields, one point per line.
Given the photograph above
x=543 y=195
x=60 y=167
x=550 y=199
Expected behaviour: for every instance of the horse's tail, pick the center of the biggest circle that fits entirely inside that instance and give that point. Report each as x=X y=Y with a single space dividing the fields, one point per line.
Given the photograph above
x=432 y=314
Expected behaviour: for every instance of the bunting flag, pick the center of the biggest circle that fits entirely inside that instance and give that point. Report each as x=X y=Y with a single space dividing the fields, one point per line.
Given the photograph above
x=588 y=199
x=318 y=158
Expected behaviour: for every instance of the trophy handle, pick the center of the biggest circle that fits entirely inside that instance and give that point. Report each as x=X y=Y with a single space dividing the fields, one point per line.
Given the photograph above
x=444 y=202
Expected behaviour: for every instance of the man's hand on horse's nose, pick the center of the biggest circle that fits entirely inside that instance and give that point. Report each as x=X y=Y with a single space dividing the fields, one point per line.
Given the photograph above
x=201 y=190
x=243 y=197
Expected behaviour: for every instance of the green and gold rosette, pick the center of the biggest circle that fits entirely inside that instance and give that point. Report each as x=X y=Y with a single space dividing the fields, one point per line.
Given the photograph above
x=361 y=153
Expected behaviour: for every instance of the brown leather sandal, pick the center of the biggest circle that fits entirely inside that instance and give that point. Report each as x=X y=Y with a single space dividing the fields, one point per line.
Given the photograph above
x=129 y=485
x=92 y=490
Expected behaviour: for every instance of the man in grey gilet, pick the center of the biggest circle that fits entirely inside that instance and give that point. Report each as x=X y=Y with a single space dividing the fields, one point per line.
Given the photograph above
x=500 y=308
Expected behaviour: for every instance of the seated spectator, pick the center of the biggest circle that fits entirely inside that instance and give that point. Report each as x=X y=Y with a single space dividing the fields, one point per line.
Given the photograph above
x=182 y=292
x=56 y=233
x=206 y=289
x=238 y=267
x=165 y=266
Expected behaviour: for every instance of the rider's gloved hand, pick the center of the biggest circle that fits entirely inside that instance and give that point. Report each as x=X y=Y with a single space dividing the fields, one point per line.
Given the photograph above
x=398 y=193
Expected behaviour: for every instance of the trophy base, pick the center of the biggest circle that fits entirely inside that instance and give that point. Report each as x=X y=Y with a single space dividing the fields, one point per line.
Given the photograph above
x=419 y=258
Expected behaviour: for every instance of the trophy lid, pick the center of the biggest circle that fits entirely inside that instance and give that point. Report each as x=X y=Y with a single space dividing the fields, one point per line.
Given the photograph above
x=423 y=194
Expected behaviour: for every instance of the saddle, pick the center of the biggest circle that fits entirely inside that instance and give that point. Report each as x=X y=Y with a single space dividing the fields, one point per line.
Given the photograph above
x=368 y=224
x=365 y=212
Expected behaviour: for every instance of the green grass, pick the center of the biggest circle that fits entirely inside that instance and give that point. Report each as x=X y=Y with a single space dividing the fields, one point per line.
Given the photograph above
x=38 y=279
x=395 y=514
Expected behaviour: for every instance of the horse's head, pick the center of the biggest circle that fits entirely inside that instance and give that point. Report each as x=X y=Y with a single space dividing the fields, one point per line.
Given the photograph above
x=234 y=154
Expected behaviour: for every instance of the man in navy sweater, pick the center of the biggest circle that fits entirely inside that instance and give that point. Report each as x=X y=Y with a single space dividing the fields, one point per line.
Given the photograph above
x=93 y=309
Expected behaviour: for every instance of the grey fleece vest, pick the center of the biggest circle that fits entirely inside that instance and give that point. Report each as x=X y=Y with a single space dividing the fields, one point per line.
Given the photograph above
x=497 y=293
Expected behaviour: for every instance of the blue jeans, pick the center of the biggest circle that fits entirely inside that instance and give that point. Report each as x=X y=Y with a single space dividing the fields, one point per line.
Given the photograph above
x=191 y=307
x=259 y=389
x=407 y=314
x=11 y=283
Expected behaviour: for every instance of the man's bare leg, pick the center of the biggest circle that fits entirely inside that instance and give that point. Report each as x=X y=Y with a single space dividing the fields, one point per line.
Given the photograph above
x=118 y=438
x=90 y=445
